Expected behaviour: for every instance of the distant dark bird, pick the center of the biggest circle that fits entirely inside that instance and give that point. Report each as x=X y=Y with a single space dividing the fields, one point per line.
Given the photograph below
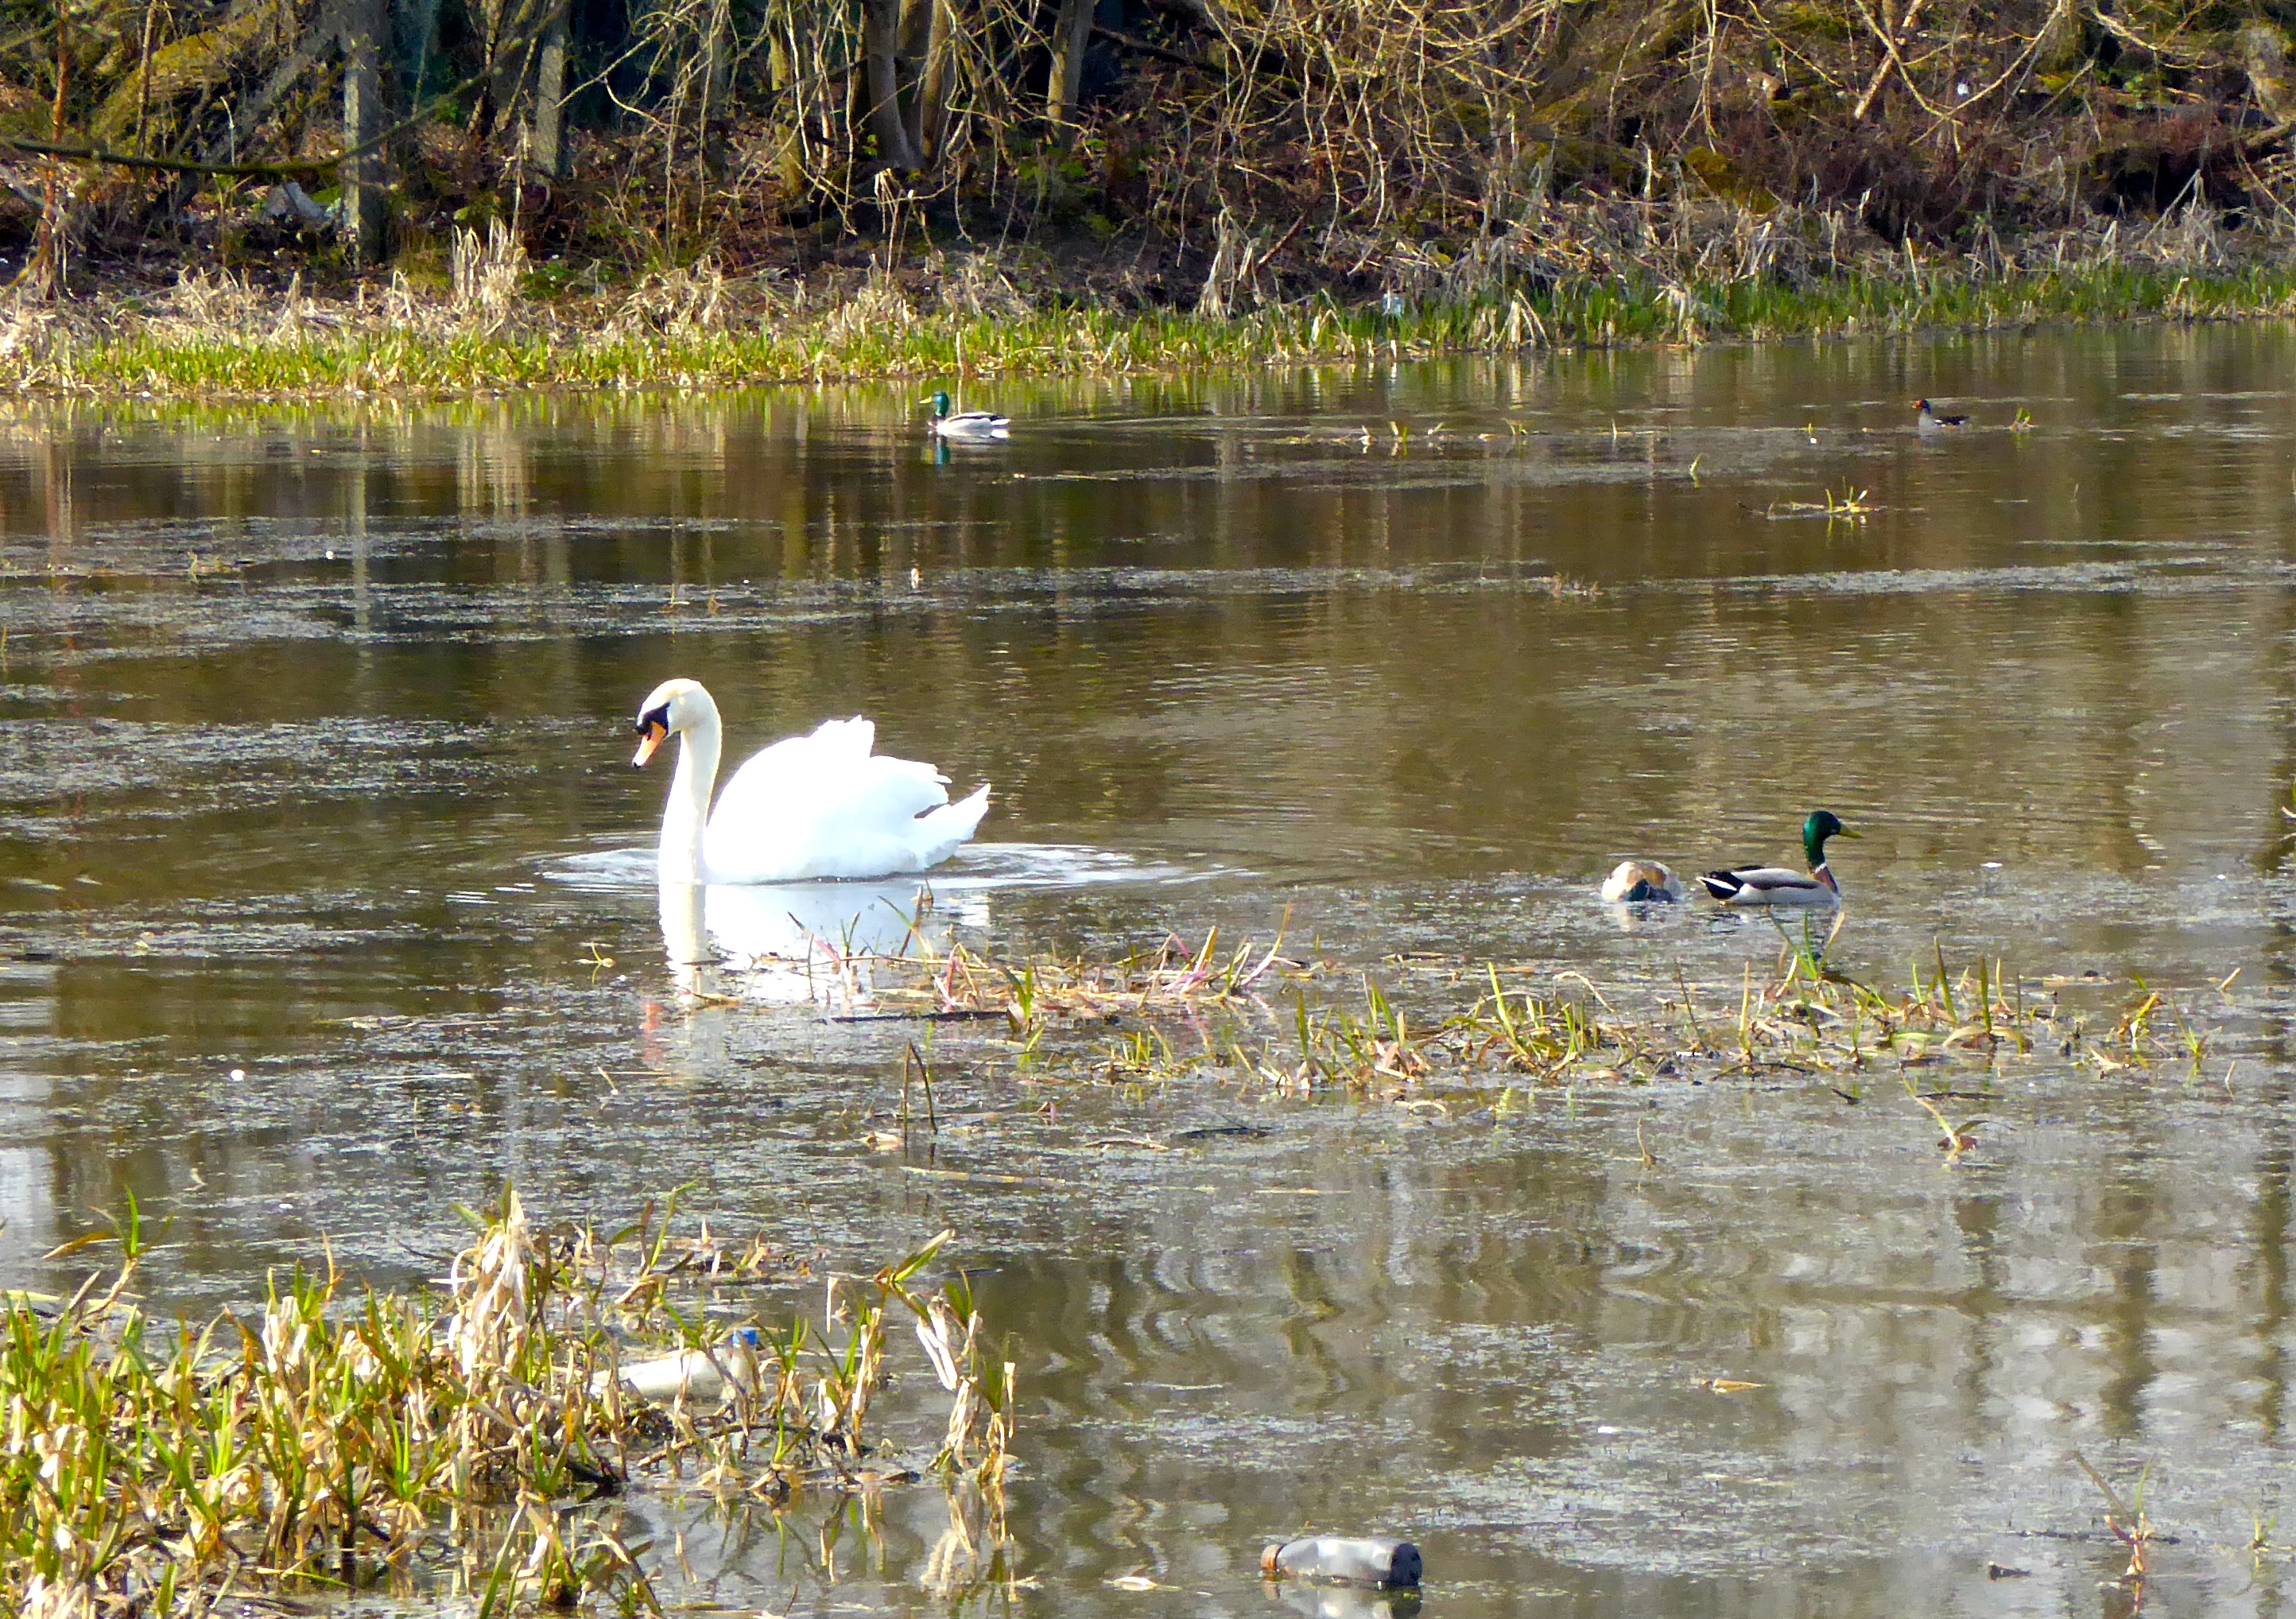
x=1776 y=885
x=1928 y=420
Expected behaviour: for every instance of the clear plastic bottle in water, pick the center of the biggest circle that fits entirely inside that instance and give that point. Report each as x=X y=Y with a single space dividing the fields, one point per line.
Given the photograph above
x=1343 y=1559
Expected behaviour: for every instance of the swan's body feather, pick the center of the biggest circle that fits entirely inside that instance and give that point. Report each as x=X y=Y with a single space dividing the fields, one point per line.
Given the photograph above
x=824 y=804
x=819 y=806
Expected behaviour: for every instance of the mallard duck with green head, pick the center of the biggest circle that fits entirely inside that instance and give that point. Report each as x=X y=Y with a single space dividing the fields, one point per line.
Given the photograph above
x=1748 y=885
x=966 y=424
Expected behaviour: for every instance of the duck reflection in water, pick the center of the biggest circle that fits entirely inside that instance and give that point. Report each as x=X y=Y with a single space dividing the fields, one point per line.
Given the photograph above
x=790 y=943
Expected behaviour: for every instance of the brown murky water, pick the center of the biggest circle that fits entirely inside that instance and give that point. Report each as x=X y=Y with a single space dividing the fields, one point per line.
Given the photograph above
x=315 y=815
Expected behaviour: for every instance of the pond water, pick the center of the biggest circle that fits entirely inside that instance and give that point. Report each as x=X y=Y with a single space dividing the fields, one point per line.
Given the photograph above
x=325 y=904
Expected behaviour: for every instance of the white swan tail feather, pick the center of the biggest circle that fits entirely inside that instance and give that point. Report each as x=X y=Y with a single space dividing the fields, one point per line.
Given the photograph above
x=943 y=830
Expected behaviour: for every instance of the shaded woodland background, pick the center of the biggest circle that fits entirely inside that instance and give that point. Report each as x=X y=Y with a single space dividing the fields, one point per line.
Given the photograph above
x=1214 y=153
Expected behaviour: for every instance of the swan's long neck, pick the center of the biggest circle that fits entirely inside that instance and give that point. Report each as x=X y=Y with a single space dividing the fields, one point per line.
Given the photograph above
x=687 y=812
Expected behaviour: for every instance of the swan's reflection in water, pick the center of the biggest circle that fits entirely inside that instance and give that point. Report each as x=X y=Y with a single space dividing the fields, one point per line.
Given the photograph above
x=789 y=943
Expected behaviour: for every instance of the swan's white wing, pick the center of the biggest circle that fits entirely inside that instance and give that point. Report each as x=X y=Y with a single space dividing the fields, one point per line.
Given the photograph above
x=829 y=744
x=824 y=806
x=771 y=775
x=850 y=740
x=860 y=821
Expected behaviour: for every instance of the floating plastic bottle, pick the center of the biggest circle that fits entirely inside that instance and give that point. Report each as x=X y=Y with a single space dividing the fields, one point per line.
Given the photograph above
x=1343 y=1561
x=693 y=1373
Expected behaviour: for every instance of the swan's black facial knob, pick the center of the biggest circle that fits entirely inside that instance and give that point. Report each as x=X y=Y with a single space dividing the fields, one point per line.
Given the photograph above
x=652 y=729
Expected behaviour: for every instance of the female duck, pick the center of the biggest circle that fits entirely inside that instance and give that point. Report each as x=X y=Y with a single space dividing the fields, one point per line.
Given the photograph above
x=966 y=424
x=822 y=805
x=1776 y=885
x=1639 y=882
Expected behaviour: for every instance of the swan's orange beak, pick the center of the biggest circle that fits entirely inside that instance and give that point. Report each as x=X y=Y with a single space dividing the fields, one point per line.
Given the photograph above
x=651 y=733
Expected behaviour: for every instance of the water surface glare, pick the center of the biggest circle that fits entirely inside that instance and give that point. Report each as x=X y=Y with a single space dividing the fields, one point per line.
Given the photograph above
x=325 y=903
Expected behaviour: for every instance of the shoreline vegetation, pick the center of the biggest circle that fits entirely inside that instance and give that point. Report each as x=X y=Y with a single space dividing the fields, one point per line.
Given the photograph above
x=274 y=198
x=221 y=337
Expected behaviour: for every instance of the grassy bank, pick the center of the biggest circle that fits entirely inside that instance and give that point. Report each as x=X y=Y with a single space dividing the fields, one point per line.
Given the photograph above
x=222 y=338
x=445 y=1442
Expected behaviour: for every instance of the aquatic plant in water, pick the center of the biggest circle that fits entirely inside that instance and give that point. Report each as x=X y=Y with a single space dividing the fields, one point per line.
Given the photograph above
x=1437 y=1032
x=437 y=1441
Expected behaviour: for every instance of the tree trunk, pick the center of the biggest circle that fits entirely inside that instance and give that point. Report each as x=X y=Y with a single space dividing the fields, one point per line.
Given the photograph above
x=717 y=79
x=511 y=46
x=933 y=90
x=915 y=45
x=1069 y=34
x=547 y=136
x=880 y=28
x=365 y=215
x=44 y=269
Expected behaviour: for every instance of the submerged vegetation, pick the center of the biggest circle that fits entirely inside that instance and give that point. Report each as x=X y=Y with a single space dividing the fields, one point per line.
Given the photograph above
x=1440 y=1033
x=450 y=1443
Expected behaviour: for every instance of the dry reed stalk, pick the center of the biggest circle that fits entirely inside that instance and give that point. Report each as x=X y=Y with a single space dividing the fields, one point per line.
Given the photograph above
x=152 y=1467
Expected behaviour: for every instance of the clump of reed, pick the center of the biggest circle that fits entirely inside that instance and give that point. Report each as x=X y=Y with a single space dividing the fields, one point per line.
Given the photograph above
x=1254 y=1017
x=1171 y=976
x=162 y=1467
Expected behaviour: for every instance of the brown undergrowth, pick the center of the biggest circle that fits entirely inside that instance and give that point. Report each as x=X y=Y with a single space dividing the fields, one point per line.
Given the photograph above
x=1218 y=156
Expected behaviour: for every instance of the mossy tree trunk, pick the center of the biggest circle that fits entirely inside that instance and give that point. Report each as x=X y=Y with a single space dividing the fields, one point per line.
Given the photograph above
x=547 y=135
x=881 y=40
x=365 y=210
x=1072 y=32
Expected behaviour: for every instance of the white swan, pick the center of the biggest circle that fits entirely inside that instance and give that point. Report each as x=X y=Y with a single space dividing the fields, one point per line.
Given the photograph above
x=817 y=805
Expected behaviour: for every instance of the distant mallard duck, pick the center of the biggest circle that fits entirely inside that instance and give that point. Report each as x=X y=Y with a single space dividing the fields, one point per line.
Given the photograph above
x=966 y=424
x=1774 y=884
x=1929 y=419
x=1634 y=882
